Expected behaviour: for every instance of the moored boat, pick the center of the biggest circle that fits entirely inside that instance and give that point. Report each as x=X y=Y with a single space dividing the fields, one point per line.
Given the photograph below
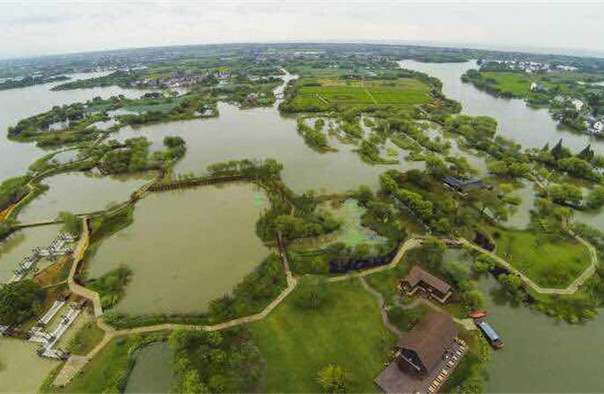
x=477 y=314
x=490 y=334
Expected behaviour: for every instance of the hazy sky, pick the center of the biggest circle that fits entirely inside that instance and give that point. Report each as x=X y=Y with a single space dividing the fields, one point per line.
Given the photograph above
x=37 y=28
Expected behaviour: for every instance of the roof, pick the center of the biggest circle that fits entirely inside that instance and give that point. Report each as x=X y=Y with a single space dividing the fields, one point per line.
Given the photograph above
x=430 y=337
x=417 y=274
x=488 y=330
x=462 y=184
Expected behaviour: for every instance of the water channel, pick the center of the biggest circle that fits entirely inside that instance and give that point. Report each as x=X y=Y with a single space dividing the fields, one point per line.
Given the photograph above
x=541 y=354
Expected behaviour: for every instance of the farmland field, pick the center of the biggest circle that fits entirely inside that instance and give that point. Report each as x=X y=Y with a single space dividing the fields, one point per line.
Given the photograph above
x=322 y=94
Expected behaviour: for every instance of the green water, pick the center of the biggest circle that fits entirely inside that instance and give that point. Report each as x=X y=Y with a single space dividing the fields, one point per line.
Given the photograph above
x=185 y=248
x=152 y=372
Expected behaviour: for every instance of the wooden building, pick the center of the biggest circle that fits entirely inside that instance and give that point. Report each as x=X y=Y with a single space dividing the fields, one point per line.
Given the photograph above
x=428 y=284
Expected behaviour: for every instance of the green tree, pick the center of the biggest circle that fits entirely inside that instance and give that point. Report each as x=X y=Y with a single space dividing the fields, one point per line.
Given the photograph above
x=333 y=379
x=20 y=301
x=71 y=223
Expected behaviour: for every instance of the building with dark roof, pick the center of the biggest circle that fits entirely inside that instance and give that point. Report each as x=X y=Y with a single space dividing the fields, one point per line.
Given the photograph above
x=425 y=282
x=422 y=348
x=422 y=354
x=463 y=186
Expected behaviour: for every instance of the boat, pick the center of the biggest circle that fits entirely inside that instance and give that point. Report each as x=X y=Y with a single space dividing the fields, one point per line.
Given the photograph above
x=490 y=334
x=477 y=314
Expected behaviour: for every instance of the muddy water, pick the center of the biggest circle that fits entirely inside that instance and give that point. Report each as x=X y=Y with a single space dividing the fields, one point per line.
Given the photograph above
x=185 y=248
x=21 y=370
x=80 y=192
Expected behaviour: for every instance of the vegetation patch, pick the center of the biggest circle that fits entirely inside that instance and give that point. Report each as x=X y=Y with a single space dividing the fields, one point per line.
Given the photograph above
x=346 y=330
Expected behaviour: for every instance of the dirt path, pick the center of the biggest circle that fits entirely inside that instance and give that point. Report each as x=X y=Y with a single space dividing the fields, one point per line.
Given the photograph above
x=381 y=304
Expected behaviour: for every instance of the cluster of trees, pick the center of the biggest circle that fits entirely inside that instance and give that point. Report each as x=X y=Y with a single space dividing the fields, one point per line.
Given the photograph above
x=215 y=362
x=370 y=153
x=581 y=165
x=12 y=190
x=132 y=157
x=263 y=169
x=509 y=169
x=111 y=286
x=253 y=293
x=565 y=194
x=20 y=301
x=314 y=136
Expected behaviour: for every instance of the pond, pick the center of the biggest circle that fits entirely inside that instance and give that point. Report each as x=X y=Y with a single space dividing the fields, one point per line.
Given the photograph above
x=16 y=104
x=21 y=369
x=79 y=192
x=152 y=372
x=20 y=243
x=185 y=248
x=351 y=233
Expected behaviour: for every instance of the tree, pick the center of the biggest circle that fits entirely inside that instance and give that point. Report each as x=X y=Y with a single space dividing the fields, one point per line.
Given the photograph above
x=20 y=301
x=71 y=223
x=333 y=379
x=595 y=199
x=565 y=194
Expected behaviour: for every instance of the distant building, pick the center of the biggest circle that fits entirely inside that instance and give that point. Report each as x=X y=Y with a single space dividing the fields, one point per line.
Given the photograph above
x=538 y=87
x=425 y=282
x=463 y=186
x=578 y=104
x=422 y=354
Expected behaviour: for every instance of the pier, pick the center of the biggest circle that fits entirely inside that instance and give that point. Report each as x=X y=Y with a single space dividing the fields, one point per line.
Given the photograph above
x=55 y=249
x=49 y=340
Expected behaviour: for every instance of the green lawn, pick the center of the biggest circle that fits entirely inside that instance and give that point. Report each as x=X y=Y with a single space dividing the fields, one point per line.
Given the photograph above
x=549 y=260
x=347 y=331
x=518 y=84
x=86 y=339
x=404 y=92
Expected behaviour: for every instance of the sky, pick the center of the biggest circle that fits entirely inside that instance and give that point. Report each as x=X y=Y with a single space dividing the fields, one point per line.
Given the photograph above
x=29 y=28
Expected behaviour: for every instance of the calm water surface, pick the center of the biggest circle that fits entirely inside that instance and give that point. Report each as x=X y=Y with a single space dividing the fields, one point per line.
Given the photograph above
x=152 y=372
x=79 y=192
x=21 y=370
x=185 y=248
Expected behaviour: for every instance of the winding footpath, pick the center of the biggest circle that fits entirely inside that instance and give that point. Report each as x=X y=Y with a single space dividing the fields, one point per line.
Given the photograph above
x=75 y=364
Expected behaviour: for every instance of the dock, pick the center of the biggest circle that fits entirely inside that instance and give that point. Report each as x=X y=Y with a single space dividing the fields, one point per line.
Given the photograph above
x=56 y=248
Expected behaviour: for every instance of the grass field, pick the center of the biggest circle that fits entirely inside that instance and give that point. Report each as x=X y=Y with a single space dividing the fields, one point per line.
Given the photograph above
x=347 y=330
x=549 y=260
x=404 y=92
x=517 y=84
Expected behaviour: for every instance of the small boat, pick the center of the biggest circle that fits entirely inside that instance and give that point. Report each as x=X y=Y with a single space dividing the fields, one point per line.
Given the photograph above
x=490 y=334
x=477 y=314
